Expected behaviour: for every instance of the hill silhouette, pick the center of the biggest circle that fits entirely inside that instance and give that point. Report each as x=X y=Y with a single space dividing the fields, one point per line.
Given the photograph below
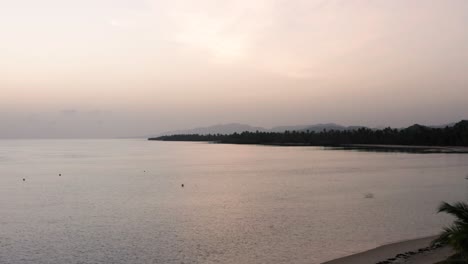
x=231 y=128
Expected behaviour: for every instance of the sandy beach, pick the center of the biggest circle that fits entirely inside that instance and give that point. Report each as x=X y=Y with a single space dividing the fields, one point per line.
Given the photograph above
x=398 y=253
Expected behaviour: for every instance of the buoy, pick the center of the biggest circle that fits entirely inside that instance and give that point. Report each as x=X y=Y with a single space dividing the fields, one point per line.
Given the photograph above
x=182 y=185
x=24 y=179
x=60 y=174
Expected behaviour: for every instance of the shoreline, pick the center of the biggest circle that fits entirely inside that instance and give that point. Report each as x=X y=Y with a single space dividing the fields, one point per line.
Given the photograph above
x=405 y=148
x=414 y=251
x=358 y=147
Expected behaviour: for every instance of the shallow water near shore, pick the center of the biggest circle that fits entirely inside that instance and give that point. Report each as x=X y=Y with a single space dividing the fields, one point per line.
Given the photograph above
x=121 y=201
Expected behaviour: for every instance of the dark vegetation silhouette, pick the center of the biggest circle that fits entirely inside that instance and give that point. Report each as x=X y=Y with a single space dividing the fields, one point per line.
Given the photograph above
x=456 y=235
x=456 y=135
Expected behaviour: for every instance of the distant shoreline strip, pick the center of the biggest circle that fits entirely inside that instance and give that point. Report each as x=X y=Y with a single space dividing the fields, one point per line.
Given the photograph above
x=358 y=147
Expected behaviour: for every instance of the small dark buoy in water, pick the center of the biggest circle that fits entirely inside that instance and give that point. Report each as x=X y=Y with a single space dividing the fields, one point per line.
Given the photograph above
x=182 y=185
x=144 y=171
x=24 y=179
x=60 y=174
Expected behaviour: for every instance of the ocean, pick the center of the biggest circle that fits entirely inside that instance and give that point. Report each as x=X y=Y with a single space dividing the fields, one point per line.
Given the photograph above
x=122 y=201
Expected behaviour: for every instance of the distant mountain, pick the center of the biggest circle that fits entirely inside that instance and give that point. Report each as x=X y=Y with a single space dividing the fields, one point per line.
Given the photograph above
x=315 y=128
x=330 y=126
x=416 y=128
x=288 y=128
x=216 y=129
x=239 y=128
x=444 y=126
x=231 y=128
x=419 y=127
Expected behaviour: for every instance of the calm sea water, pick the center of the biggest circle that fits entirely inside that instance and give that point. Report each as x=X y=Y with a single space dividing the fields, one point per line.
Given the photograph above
x=121 y=201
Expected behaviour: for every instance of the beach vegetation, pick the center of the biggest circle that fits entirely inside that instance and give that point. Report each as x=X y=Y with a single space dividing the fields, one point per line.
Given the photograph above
x=455 y=235
x=415 y=135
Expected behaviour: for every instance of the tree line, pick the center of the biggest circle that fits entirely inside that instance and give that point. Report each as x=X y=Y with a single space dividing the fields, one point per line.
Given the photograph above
x=456 y=135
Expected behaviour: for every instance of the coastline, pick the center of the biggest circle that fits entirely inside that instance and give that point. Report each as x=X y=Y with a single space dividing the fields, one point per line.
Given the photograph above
x=415 y=251
x=405 y=148
x=358 y=147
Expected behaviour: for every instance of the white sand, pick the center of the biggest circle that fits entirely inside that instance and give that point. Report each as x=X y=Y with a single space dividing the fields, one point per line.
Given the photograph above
x=390 y=251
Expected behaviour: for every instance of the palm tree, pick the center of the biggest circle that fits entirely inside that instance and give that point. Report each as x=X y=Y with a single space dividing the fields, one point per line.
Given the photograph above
x=455 y=235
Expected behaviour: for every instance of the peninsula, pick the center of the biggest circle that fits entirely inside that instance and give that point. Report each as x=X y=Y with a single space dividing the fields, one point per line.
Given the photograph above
x=416 y=138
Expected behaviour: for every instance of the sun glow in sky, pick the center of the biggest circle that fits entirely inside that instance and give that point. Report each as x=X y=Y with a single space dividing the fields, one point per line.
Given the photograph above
x=138 y=67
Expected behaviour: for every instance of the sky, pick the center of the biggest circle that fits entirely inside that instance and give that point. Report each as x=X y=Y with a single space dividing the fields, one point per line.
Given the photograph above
x=123 y=68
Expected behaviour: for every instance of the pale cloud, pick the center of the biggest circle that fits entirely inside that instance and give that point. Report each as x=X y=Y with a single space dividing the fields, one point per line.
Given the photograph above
x=299 y=39
x=156 y=65
x=248 y=33
x=291 y=38
x=225 y=29
x=115 y=23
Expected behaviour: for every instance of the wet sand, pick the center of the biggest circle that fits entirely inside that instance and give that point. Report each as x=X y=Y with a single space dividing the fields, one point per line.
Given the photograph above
x=398 y=253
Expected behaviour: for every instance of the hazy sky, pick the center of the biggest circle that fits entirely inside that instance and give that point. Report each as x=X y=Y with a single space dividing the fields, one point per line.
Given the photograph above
x=94 y=68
